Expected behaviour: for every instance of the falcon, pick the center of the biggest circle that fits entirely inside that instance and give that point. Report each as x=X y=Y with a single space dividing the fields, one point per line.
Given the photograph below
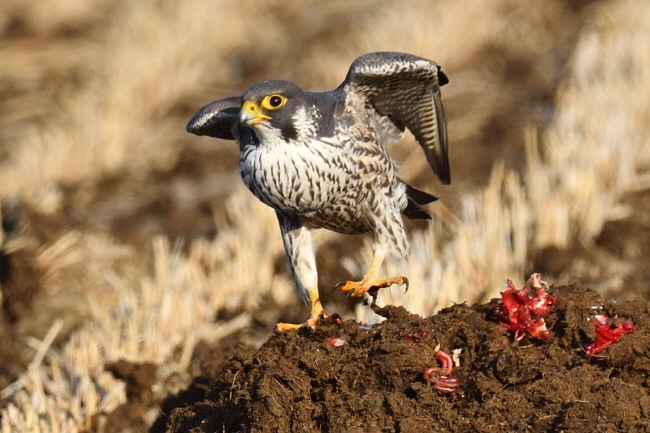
x=319 y=159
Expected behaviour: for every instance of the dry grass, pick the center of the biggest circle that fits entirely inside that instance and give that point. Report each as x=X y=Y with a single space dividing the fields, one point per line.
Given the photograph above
x=96 y=94
x=160 y=319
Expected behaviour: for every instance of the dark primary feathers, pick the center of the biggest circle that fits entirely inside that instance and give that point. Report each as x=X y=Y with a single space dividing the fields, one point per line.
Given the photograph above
x=216 y=119
x=402 y=86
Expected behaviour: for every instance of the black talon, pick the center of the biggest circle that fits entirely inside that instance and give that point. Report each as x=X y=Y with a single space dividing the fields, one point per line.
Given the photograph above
x=406 y=284
x=335 y=318
x=306 y=331
x=339 y=285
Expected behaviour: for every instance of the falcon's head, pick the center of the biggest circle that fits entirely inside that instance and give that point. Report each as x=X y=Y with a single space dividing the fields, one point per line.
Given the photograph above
x=276 y=108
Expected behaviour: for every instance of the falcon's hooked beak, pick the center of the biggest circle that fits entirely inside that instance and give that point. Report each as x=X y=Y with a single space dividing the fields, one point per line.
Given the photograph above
x=251 y=114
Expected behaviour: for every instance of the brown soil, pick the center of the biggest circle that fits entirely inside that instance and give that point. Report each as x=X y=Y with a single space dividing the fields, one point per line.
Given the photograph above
x=300 y=383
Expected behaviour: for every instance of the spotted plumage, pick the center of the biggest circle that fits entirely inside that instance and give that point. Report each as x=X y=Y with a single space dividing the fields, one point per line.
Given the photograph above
x=320 y=159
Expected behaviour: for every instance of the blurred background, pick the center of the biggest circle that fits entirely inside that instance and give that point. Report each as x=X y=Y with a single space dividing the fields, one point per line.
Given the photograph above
x=124 y=237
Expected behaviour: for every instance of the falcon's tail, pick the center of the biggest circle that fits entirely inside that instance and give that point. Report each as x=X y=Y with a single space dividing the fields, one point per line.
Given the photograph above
x=416 y=199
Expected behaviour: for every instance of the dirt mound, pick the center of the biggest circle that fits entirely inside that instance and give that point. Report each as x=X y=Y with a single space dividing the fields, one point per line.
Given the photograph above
x=304 y=383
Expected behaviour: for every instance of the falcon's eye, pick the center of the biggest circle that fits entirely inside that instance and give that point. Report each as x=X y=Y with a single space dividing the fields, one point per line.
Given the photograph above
x=273 y=102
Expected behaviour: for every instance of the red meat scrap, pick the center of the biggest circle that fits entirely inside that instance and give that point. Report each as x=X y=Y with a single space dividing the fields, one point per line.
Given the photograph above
x=523 y=311
x=337 y=342
x=415 y=335
x=605 y=335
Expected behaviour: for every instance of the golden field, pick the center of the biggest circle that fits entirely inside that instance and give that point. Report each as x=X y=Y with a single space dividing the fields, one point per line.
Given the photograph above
x=124 y=237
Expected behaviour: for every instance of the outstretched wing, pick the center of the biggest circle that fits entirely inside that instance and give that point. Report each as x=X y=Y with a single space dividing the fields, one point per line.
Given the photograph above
x=216 y=119
x=407 y=89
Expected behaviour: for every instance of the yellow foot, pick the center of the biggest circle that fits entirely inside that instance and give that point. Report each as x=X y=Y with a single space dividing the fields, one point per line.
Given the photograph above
x=371 y=285
x=310 y=325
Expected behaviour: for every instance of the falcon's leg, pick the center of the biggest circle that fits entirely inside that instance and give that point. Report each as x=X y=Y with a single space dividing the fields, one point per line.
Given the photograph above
x=389 y=236
x=302 y=261
x=371 y=283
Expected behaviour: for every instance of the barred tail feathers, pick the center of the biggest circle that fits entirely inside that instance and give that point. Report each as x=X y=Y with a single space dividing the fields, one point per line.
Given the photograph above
x=415 y=200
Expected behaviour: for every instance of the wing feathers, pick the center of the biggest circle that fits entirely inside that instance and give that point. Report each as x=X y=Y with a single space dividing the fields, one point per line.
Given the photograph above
x=216 y=119
x=407 y=88
x=404 y=87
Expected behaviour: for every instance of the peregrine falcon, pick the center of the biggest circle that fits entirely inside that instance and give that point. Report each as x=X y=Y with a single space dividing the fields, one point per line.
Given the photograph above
x=320 y=159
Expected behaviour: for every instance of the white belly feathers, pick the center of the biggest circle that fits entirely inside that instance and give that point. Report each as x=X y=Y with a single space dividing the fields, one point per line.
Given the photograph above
x=294 y=177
